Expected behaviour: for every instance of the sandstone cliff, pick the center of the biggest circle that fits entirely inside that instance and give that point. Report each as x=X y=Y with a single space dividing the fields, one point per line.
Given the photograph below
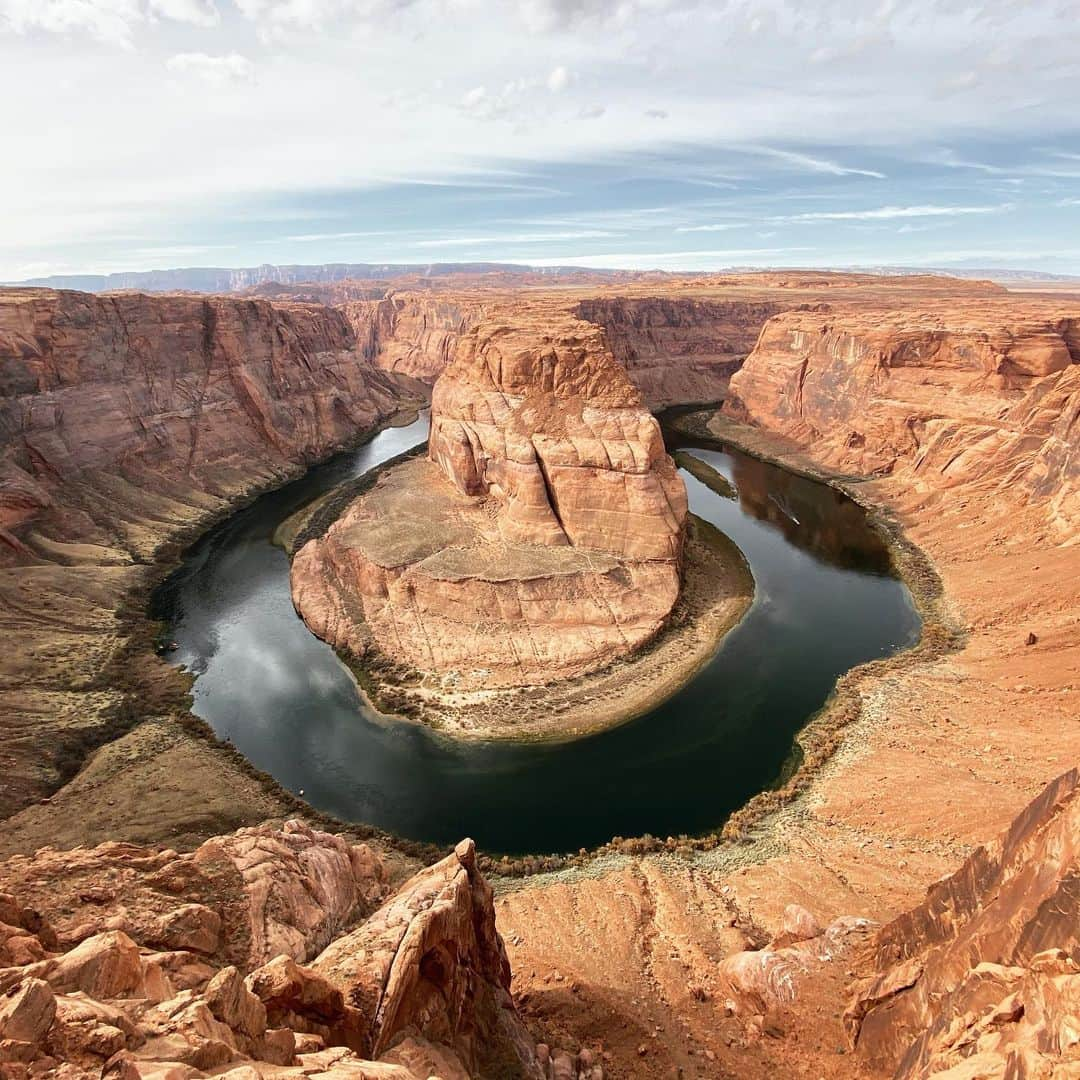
x=545 y=545
x=415 y=334
x=679 y=351
x=128 y=422
x=982 y=399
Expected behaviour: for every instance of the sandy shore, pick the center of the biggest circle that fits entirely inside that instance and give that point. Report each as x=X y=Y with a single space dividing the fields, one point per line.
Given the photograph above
x=717 y=591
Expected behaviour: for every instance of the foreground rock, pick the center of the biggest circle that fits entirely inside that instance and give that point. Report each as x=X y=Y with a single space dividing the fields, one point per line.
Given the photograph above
x=544 y=542
x=983 y=977
x=422 y=987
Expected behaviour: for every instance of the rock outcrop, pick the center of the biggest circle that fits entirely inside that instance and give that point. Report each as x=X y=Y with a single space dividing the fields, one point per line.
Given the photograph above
x=980 y=398
x=420 y=989
x=414 y=334
x=543 y=542
x=983 y=977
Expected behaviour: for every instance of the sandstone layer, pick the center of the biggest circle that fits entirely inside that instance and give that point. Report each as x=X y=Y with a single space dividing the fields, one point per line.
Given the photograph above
x=542 y=541
x=984 y=975
x=984 y=400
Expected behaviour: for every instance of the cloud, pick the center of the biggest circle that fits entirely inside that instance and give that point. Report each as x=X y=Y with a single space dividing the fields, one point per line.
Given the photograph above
x=555 y=15
x=558 y=80
x=276 y=18
x=111 y=22
x=195 y=12
x=809 y=163
x=657 y=114
x=514 y=238
x=709 y=228
x=218 y=70
x=592 y=112
x=889 y=213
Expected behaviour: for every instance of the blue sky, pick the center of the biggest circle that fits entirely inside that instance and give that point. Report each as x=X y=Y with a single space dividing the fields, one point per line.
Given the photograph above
x=674 y=134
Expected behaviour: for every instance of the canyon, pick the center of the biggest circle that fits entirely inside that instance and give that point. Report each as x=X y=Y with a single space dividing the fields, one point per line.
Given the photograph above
x=798 y=941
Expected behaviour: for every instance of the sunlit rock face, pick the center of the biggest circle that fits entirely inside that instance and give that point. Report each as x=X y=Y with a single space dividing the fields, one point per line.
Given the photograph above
x=541 y=540
x=970 y=395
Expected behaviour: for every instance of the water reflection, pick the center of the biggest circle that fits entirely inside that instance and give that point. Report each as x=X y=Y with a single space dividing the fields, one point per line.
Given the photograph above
x=824 y=602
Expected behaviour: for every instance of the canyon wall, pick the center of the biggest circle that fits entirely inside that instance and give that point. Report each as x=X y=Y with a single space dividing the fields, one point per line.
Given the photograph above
x=679 y=351
x=985 y=398
x=676 y=350
x=414 y=334
x=129 y=422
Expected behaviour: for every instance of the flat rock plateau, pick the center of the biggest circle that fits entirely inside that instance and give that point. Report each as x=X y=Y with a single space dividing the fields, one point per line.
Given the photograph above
x=906 y=906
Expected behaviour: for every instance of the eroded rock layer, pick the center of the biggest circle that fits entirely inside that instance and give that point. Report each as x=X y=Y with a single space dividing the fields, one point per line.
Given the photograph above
x=543 y=539
x=127 y=422
x=980 y=399
x=679 y=350
x=984 y=975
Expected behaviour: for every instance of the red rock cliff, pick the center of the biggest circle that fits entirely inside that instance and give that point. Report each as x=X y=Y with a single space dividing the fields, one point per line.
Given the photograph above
x=986 y=398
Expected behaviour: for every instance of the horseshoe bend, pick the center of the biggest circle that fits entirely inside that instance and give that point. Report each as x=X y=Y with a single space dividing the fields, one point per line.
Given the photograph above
x=893 y=895
x=542 y=539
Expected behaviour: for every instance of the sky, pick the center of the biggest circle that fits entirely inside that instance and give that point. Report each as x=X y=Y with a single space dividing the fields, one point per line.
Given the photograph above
x=669 y=134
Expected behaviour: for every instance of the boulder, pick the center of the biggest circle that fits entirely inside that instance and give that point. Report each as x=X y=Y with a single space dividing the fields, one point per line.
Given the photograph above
x=27 y=1011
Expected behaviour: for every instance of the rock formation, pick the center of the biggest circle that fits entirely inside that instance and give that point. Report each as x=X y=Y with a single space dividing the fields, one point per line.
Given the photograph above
x=544 y=542
x=983 y=977
x=92 y=982
x=959 y=419
x=949 y=397
x=678 y=350
x=127 y=422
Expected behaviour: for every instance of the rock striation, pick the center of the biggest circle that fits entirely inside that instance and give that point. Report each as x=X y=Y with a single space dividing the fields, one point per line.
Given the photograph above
x=983 y=977
x=542 y=540
x=679 y=350
x=981 y=398
x=127 y=422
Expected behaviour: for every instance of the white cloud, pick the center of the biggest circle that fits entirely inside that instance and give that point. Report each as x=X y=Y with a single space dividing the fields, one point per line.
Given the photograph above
x=112 y=22
x=709 y=228
x=553 y=15
x=231 y=68
x=809 y=163
x=196 y=12
x=514 y=238
x=889 y=213
x=558 y=80
x=276 y=18
x=592 y=112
